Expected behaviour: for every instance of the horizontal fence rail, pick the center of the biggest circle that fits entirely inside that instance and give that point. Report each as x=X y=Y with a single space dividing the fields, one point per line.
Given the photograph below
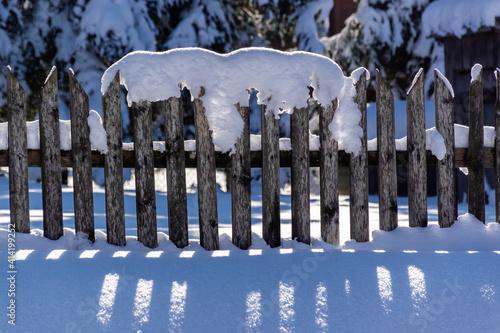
x=145 y=155
x=223 y=160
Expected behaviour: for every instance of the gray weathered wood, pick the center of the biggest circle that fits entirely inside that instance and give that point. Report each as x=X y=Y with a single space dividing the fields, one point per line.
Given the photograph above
x=18 y=155
x=50 y=151
x=240 y=185
x=329 y=176
x=299 y=129
x=144 y=174
x=207 y=186
x=416 y=142
x=270 y=178
x=113 y=165
x=475 y=153
x=358 y=201
x=497 y=146
x=176 y=173
x=387 y=177
x=446 y=174
x=82 y=162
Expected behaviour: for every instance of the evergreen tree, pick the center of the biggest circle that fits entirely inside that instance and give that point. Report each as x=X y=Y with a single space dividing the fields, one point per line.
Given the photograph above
x=387 y=35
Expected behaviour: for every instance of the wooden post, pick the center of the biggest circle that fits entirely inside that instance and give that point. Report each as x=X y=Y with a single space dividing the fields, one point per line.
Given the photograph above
x=386 y=146
x=240 y=185
x=207 y=186
x=358 y=172
x=270 y=178
x=50 y=150
x=113 y=164
x=497 y=147
x=475 y=154
x=299 y=123
x=144 y=174
x=82 y=163
x=446 y=175
x=416 y=147
x=329 y=176
x=176 y=173
x=18 y=155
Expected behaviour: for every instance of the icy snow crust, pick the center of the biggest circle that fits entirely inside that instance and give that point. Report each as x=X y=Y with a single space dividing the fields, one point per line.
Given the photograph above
x=282 y=80
x=456 y=17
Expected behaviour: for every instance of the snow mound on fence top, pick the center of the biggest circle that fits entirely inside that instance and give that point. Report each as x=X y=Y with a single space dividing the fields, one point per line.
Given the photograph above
x=457 y=17
x=281 y=79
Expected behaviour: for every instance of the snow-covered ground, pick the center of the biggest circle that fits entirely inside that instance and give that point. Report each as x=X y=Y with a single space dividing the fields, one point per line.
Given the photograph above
x=407 y=280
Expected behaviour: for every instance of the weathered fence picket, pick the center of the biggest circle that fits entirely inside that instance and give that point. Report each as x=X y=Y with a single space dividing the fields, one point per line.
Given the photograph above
x=300 y=159
x=82 y=162
x=18 y=155
x=416 y=141
x=299 y=133
x=142 y=120
x=386 y=147
x=358 y=172
x=240 y=185
x=207 y=186
x=475 y=153
x=270 y=178
x=50 y=151
x=113 y=166
x=176 y=173
x=329 y=176
x=446 y=171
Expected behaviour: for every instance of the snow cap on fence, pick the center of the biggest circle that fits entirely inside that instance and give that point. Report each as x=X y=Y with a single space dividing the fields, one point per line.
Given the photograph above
x=475 y=72
x=281 y=79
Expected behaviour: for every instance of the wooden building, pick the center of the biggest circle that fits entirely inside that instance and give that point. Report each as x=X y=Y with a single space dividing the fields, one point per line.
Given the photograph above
x=480 y=47
x=461 y=54
x=341 y=10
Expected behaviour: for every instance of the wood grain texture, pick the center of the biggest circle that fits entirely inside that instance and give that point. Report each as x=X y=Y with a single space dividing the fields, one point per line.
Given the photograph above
x=82 y=162
x=445 y=168
x=387 y=176
x=50 y=151
x=207 y=188
x=18 y=155
x=113 y=164
x=144 y=174
x=240 y=185
x=497 y=146
x=476 y=197
x=329 y=176
x=270 y=178
x=176 y=173
x=299 y=132
x=416 y=142
x=358 y=172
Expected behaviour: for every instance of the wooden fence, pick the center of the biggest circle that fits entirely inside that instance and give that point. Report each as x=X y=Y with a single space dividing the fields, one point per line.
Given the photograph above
x=175 y=159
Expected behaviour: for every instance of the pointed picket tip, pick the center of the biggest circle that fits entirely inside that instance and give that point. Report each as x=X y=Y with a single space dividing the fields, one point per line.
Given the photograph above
x=418 y=81
x=476 y=73
x=50 y=84
x=74 y=85
x=439 y=77
x=52 y=75
x=113 y=86
x=382 y=84
x=14 y=88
